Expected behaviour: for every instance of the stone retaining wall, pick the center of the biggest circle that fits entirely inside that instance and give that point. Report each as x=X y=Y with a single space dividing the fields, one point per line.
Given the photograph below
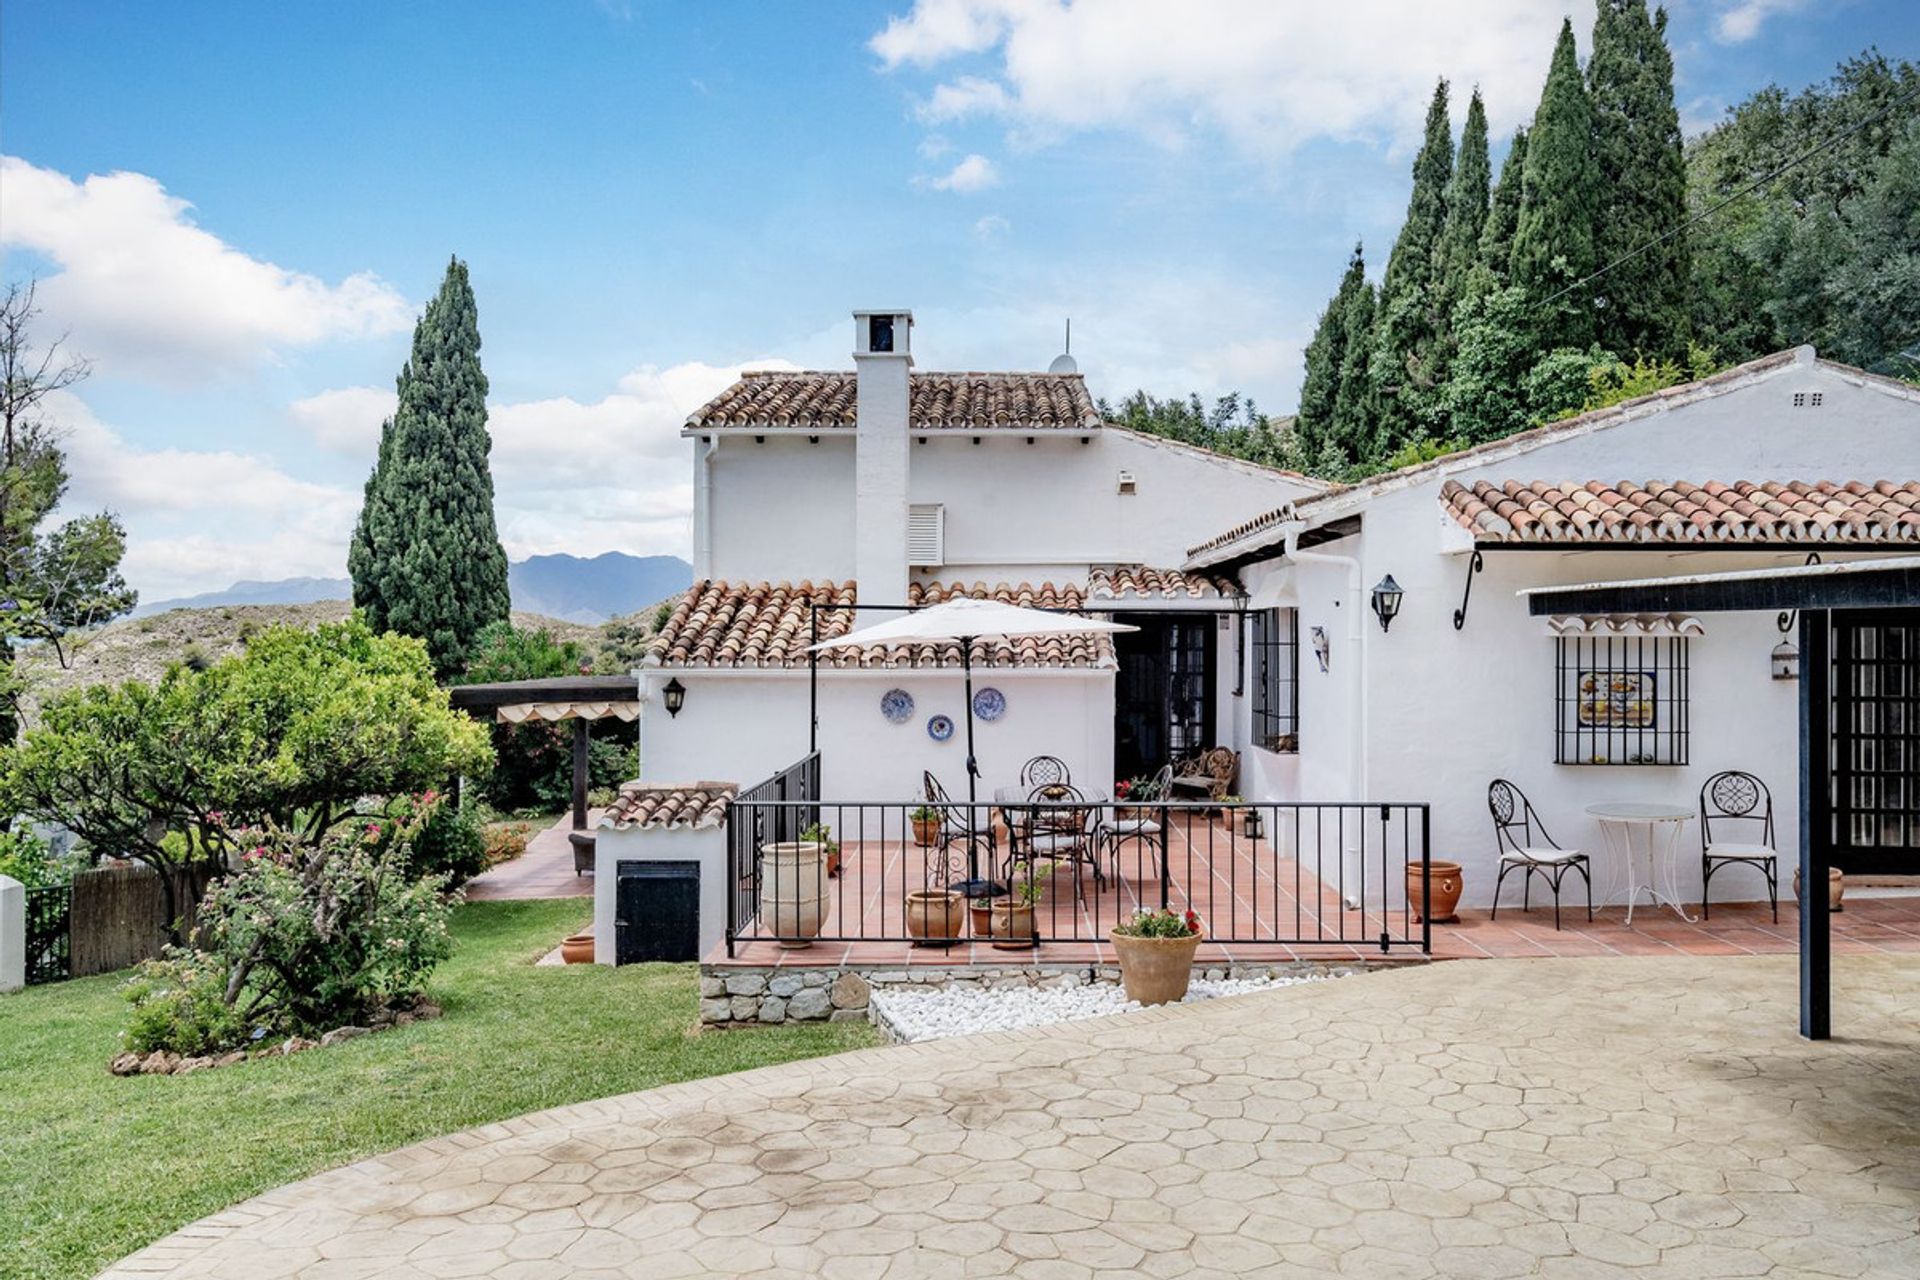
x=737 y=997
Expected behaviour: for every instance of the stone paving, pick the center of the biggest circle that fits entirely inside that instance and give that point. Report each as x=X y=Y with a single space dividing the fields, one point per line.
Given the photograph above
x=1562 y=1118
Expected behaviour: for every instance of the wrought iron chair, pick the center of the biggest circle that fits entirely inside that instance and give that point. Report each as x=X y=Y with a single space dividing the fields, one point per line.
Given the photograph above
x=959 y=825
x=1060 y=824
x=1109 y=833
x=1207 y=776
x=1042 y=770
x=1526 y=846
x=1737 y=799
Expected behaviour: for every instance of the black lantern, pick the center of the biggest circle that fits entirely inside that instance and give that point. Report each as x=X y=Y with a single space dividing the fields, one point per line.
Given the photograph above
x=674 y=695
x=1386 y=601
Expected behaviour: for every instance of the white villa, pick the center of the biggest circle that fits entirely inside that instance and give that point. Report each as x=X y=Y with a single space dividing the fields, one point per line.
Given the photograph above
x=823 y=495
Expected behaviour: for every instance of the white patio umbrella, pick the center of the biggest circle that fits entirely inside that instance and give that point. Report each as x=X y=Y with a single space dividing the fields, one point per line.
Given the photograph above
x=966 y=620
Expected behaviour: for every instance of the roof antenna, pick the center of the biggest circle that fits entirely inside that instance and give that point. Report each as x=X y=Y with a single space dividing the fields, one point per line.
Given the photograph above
x=1064 y=362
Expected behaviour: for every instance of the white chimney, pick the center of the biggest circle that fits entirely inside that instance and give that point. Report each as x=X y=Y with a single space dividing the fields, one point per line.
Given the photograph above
x=882 y=355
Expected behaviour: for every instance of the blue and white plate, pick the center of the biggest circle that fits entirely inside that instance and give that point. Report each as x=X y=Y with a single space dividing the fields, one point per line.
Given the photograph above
x=897 y=706
x=989 y=704
x=940 y=728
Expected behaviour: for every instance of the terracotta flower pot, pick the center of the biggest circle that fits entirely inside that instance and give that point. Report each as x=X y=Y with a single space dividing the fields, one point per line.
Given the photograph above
x=934 y=917
x=980 y=915
x=793 y=890
x=1155 y=970
x=926 y=831
x=1013 y=925
x=1444 y=886
x=1836 y=886
x=577 y=949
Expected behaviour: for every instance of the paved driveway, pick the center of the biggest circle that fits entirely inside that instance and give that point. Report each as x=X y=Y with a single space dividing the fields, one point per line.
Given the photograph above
x=1546 y=1117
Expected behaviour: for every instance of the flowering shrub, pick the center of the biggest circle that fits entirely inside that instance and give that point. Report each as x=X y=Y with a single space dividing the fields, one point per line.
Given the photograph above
x=1160 y=924
x=450 y=841
x=303 y=937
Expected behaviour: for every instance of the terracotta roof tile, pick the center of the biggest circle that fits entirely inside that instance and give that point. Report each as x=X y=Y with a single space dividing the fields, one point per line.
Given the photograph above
x=1133 y=581
x=658 y=805
x=822 y=401
x=1681 y=511
x=739 y=624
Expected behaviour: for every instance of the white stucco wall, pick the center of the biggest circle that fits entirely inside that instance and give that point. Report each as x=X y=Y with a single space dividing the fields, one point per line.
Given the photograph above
x=706 y=846
x=1448 y=711
x=742 y=727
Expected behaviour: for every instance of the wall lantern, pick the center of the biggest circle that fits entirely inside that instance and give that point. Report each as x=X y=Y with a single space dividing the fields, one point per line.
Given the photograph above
x=674 y=695
x=1386 y=601
x=1786 y=660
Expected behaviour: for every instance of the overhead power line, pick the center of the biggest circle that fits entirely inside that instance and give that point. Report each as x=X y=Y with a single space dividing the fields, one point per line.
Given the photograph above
x=1756 y=184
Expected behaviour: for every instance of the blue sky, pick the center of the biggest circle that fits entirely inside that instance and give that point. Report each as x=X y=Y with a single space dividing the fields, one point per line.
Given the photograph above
x=236 y=211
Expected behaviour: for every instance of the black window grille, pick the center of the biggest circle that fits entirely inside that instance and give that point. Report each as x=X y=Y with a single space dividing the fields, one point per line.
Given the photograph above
x=1620 y=700
x=1273 y=654
x=1876 y=737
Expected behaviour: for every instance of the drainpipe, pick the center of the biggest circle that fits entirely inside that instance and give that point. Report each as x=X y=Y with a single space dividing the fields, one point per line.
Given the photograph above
x=703 y=510
x=1356 y=662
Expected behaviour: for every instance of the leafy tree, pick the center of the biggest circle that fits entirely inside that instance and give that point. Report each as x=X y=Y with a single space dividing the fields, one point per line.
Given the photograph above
x=1351 y=431
x=293 y=734
x=1553 y=238
x=1320 y=389
x=1483 y=400
x=53 y=581
x=426 y=558
x=1642 y=182
x=1404 y=365
x=1503 y=210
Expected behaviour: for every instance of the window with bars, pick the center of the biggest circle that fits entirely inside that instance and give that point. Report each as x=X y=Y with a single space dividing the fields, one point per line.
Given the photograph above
x=1875 y=751
x=1273 y=671
x=1620 y=700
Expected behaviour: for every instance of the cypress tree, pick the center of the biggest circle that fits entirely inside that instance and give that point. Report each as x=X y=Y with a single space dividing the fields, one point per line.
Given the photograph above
x=1320 y=388
x=1642 y=191
x=426 y=558
x=1553 y=238
x=1401 y=369
x=1503 y=210
x=1467 y=201
x=1351 y=408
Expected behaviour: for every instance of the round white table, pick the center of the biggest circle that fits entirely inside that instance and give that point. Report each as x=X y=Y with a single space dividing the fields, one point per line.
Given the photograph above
x=1635 y=831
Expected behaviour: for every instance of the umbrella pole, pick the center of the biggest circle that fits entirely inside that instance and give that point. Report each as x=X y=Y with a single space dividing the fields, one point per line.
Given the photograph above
x=974 y=887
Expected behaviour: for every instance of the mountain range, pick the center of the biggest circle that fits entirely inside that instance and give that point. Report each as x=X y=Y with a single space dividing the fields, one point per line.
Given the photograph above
x=587 y=590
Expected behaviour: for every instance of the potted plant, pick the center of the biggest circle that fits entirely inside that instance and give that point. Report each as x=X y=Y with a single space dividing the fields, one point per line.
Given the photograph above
x=1443 y=885
x=1156 y=954
x=1013 y=925
x=981 y=912
x=926 y=825
x=1132 y=793
x=934 y=917
x=821 y=834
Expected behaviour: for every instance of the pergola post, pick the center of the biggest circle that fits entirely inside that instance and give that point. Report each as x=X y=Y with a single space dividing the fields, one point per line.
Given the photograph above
x=580 y=773
x=1816 y=823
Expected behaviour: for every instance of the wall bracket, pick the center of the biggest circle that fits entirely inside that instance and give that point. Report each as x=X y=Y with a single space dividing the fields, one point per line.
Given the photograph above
x=1474 y=566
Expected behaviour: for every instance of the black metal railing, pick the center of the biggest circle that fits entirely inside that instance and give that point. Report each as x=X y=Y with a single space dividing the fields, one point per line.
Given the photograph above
x=1296 y=874
x=776 y=810
x=49 y=933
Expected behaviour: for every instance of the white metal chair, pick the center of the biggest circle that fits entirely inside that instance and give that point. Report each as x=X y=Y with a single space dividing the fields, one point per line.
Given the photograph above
x=1737 y=799
x=1110 y=832
x=1525 y=846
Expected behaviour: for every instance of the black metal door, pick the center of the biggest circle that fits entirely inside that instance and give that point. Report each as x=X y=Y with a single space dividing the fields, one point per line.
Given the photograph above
x=1875 y=741
x=656 y=912
x=1163 y=697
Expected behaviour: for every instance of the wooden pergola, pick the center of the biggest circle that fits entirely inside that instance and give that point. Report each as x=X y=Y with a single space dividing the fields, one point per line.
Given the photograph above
x=1858 y=625
x=581 y=699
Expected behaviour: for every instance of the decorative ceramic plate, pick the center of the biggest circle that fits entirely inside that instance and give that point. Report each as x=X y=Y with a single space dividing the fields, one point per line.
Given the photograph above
x=940 y=728
x=989 y=704
x=897 y=706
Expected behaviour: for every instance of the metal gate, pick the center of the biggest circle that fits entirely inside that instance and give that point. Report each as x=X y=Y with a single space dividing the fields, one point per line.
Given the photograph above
x=49 y=933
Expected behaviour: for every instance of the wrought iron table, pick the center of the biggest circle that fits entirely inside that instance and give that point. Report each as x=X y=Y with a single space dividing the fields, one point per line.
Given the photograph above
x=1658 y=828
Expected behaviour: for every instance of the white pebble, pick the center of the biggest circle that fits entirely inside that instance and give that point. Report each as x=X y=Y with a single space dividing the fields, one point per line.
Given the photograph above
x=933 y=1013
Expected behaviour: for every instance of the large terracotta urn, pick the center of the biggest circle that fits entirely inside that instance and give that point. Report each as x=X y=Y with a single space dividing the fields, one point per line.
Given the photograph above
x=793 y=890
x=1443 y=886
x=935 y=917
x=1155 y=970
x=1013 y=925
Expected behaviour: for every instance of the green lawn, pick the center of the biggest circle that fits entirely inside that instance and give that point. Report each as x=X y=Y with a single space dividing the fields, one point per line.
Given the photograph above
x=92 y=1167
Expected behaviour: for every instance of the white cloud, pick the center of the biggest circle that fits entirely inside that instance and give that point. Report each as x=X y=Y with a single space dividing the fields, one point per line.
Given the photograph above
x=975 y=173
x=1269 y=75
x=142 y=288
x=345 y=420
x=1741 y=22
x=992 y=227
